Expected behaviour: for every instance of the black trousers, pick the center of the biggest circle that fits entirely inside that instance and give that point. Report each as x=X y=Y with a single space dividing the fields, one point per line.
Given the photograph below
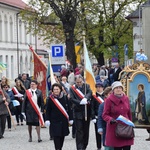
x=82 y=133
x=18 y=114
x=58 y=142
x=98 y=137
x=122 y=148
x=2 y=124
x=73 y=129
x=9 y=122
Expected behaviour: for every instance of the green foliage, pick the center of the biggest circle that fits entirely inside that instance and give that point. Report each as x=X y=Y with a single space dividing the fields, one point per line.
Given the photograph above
x=103 y=20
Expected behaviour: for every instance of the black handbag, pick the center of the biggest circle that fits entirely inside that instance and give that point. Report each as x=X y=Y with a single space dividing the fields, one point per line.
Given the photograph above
x=124 y=131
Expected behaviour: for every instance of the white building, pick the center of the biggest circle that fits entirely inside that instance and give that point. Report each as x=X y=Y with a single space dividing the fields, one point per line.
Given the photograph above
x=14 y=50
x=141 y=28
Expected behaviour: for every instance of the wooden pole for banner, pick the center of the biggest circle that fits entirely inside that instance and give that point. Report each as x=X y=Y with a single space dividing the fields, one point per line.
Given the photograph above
x=9 y=110
x=84 y=76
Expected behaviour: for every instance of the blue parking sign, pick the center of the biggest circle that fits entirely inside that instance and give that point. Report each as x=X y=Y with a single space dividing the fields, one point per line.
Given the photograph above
x=57 y=50
x=57 y=54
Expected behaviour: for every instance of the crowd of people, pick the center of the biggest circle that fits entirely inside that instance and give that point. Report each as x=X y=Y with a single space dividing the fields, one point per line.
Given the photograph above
x=70 y=102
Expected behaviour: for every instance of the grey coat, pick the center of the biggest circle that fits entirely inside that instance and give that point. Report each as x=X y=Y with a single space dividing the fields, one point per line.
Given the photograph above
x=3 y=108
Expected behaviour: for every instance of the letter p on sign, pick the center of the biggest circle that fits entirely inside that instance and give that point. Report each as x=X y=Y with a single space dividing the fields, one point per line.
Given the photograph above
x=57 y=51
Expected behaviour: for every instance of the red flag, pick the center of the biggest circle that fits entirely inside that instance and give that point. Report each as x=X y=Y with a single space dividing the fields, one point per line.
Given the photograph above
x=40 y=70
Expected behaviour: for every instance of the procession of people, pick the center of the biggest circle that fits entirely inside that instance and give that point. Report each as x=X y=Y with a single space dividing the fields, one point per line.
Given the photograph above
x=71 y=102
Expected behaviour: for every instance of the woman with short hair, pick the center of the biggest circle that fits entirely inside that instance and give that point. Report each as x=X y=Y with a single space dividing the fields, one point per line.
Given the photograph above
x=58 y=115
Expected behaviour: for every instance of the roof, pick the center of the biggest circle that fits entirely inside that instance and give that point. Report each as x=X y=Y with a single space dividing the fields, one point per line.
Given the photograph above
x=14 y=3
x=135 y=14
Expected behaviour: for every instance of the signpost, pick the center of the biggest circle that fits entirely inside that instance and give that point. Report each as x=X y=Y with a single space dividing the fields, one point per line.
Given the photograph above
x=57 y=54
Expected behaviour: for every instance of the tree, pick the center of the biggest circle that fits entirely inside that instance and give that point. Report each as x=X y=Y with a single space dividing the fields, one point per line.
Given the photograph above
x=107 y=27
x=66 y=11
x=103 y=20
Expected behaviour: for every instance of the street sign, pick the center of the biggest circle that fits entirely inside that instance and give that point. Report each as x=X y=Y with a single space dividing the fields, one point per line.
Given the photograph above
x=57 y=54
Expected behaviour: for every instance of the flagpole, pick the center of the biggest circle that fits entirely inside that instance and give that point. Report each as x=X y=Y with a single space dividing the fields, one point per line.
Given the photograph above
x=84 y=74
x=52 y=79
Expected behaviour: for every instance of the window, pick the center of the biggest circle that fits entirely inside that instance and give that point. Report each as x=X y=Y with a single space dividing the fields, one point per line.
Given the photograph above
x=6 y=28
x=31 y=66
x=1 y=28
x=12 y=67
x=7 y=63
x=26 y=63
x=11 y=29
x=25 y=32
x=20 y=31
x=21 y=65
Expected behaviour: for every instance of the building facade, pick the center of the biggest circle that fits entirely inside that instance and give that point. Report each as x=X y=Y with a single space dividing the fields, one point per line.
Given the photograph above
x=14 y=40
x=141 y=28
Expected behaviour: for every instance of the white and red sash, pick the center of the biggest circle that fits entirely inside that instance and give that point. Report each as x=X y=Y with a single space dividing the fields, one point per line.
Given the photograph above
x=35 y=106
x=16 y=92
x=98 y=98
x=78 y=92
x=59 y=106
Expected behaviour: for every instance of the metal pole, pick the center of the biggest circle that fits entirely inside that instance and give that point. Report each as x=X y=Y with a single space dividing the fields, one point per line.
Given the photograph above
x=17 y=42
x=140 y=26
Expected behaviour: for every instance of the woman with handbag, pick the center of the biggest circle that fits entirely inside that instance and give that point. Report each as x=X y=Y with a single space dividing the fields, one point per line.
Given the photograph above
x=116 y=104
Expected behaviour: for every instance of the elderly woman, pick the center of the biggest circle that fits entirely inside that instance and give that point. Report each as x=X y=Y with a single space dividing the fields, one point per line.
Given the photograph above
x=116 y=104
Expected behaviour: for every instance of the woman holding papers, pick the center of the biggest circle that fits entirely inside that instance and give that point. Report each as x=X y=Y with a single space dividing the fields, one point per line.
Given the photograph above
x=116 y=104
x=58 y=115
x=19 y=91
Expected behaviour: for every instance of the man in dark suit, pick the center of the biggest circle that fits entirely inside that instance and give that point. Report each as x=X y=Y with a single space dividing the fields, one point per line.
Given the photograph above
x=24 y=80
x=80 y=95
x=116 y=72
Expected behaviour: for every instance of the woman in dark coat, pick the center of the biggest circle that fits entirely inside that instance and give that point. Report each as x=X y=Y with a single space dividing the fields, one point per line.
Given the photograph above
x=116 y=104
x=19 y=91
x=33 y=102
x=58 y=115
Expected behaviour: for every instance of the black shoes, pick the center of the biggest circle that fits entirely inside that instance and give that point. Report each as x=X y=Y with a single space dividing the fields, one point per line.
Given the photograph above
x=30 y=139
x=39 y=140
x=1 y=136
x=147 y=139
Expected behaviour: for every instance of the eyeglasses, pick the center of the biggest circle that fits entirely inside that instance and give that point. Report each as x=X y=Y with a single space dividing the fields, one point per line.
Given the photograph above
x=5 y=87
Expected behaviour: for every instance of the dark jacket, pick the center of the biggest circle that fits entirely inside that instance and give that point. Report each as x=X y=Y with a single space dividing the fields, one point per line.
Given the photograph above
x=3 y=108
x=26 y=83
x=58 y=122
x=116 y=74
x=101 y=124
x=31 y=115
x=11 y=95
x=79 y=110
x=95 y=105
